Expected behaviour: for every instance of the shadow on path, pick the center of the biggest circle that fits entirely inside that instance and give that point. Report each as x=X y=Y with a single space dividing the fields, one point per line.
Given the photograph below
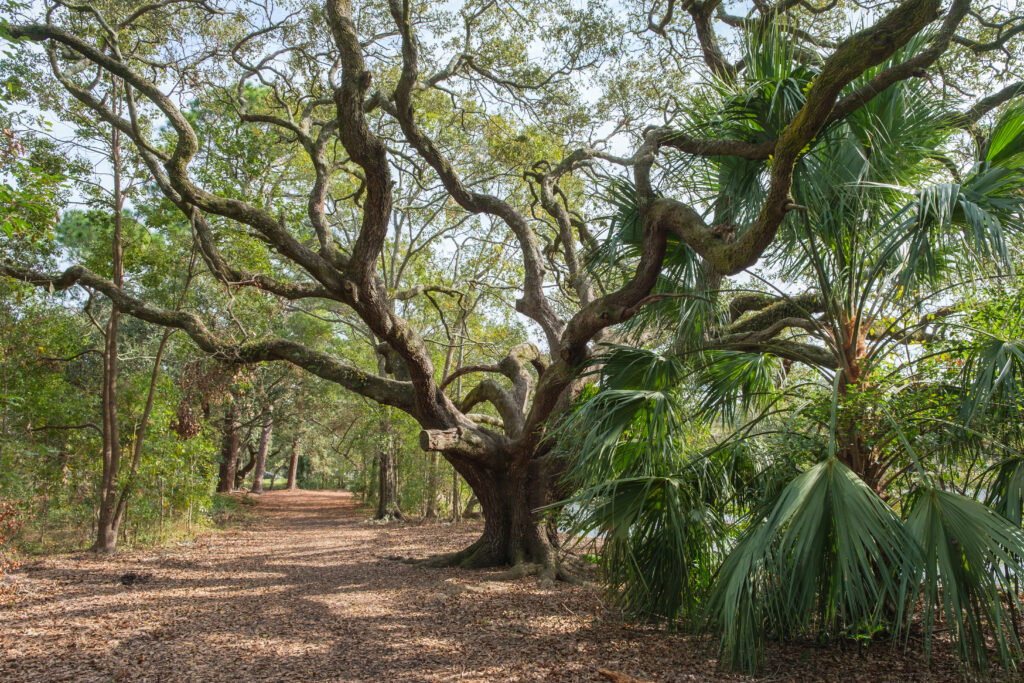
x=305 y=594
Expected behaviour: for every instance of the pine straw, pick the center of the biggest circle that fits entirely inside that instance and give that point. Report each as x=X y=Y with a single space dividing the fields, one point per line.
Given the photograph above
x=307 y=593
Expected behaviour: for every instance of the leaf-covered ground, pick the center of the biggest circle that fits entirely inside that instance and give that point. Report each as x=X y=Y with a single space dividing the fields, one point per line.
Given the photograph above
x=308 y=593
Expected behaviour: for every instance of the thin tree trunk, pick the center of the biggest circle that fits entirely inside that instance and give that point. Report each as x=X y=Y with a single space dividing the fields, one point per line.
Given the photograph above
x=455 y=502
x=121 y=511
x=387 y=479
x=229 y=450
x=106 y=530
x=456 y=499
x=293 y=464
x=387 y=498
x=244 y=471
x=140 y=432
x=261 y=454
x=432 y=475
x=364 y=477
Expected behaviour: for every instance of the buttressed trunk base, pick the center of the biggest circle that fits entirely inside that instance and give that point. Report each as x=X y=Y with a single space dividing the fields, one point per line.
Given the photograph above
x=515 y=532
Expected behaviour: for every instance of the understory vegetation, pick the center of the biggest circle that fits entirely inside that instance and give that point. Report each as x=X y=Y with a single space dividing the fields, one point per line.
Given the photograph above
x=833 y=450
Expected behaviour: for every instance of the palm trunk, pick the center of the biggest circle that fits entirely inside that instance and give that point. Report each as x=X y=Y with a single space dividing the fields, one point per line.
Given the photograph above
x=852 y=448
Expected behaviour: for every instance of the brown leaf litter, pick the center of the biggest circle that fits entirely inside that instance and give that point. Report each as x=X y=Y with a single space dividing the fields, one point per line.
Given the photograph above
x=307 y=594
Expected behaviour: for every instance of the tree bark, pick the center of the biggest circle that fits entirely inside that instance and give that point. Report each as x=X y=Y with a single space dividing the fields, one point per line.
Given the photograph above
x=106 y=538
x=261 y=453
x=432 y=485
x=229 y=450
x=107 y=524
x=293 y=464
x=387 y=480
x=513 y=532
x=140 y=433
x=352 y=280
x=455 y=501
x=243 y=471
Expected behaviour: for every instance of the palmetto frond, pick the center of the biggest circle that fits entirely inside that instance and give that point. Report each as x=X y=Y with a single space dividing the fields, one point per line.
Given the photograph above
x=734 y=382
x=994 y=378
x=661 y=542
x=802 y=542
x=827 y=555
x=970 y=556
x=1005 y=146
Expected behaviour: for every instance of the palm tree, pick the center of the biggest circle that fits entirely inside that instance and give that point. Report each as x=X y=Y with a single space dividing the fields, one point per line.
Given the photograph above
x=833 y=448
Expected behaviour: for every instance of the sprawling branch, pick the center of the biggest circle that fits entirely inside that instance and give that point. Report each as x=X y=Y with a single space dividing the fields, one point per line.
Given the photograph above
x=379 y=389
x=971 y=116
x=186 y=145
x=854 y=55
x=353 y=278
x=533 y=303
x=491 y=392
x=797 y=307
x=356 y=282
x=662 y=216
x=789 y=349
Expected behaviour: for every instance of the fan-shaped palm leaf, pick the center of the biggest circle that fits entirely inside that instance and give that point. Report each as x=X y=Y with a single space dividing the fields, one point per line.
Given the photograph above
x=828 y=555
x=965 y=549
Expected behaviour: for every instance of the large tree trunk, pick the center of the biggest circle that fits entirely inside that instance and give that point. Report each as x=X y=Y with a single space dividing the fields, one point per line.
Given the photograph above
x=261 y=453
x=293 y=464
x=513 y=533
x=229 y=450
x=387 y=489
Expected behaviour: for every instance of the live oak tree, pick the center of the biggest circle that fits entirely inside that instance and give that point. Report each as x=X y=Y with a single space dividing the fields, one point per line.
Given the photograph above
x=485 y=106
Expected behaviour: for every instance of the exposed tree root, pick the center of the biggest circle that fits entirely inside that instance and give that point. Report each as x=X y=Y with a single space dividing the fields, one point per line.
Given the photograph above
x=548 y=572
x=518 y=571
x=569 y=576
x=392 y=516
x=467 y=558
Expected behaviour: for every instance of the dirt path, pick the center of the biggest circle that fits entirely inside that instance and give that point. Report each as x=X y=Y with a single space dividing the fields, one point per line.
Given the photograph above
x=306 y=594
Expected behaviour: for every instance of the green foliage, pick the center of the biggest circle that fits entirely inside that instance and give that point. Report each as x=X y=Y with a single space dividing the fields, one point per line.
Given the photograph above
x=659 y=534
x=828 y=555
x=816 y=466
x=970 y=558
